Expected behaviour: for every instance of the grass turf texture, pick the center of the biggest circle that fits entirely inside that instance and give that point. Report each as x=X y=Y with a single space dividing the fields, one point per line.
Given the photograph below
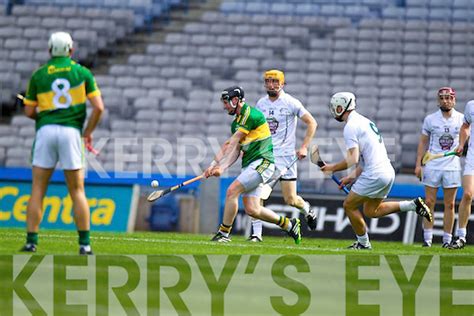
x=324 y=270
x=65 y=242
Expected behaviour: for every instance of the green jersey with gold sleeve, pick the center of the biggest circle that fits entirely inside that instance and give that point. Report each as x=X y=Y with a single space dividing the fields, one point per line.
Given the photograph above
x=257 y=143
x=60 y=89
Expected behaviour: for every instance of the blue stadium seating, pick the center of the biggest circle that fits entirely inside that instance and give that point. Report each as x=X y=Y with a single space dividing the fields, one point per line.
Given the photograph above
x=393 y=54
x=145 y=10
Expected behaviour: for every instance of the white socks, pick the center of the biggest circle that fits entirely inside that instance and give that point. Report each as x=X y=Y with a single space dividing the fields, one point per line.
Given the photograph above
x=428 y=235
x=363 y=240
x=86 y=247
x=461 y=233
x=257 y=227
x=406 y=206
x=306 y=208
x=447 y=238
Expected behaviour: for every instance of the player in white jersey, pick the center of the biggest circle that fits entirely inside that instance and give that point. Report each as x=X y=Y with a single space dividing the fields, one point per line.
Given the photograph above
x=282 y=112
x=467 y=179
x=440 y=133
x=375 y=179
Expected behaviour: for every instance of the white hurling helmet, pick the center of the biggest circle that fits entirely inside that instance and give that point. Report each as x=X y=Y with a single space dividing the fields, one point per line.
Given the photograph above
x=342 y=102
x=60 y=44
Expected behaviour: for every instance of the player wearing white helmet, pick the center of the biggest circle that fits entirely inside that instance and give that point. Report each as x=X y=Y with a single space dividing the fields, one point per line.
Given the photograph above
x=440 y=134
x=282 y=112
x=60 y=44
x=373 y=175
x=56 y=100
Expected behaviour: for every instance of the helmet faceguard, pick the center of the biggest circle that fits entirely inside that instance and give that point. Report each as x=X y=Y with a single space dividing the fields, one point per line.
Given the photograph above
x=271 y=77
x=446 y=99
x=340 y=103
x=228 y=94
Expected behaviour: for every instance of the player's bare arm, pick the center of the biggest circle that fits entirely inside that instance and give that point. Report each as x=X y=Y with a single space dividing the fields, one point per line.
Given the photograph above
x=226 y=156
x=98 y=109
x=352 y=158
x=30 y=111
x=422 y=145
x=311 y=126
x=463 y=135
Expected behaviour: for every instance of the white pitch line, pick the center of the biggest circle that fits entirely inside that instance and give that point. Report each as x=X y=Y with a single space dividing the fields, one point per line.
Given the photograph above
x=194 y=242
x=209 y=243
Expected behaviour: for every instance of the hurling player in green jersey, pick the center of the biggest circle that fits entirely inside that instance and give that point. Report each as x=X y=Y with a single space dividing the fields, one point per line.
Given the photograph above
x=56 y=99
x=251 y=135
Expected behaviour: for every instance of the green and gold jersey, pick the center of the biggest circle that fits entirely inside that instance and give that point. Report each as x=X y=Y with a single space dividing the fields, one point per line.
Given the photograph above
x=257 y=143
x=60 y=89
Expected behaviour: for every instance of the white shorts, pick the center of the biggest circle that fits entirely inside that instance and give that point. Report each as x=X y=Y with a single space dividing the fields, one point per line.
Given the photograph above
x=375 y=185
x=442 y=178
x=282 y=162
x=57 y=143
x=255 y=175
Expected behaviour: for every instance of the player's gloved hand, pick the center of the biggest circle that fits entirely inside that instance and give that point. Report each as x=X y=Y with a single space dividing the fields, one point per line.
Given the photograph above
x=302 y=153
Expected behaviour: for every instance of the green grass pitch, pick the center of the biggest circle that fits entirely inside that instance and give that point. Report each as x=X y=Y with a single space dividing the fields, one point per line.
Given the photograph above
x=276 y=277
x=65 y=242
